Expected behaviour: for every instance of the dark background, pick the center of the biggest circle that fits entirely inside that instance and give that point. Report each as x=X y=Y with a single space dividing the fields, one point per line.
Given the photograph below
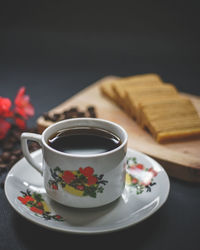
x=56 y=48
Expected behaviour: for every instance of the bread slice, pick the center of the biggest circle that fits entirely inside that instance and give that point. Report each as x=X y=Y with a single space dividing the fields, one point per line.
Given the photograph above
x=146 y=94
x=107 y=90
x=171 y=119
x=120 y=86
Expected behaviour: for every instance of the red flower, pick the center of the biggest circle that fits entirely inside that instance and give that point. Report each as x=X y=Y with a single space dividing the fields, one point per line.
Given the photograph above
x=23 y=106
x=22 y=111
x=5 y=105
x=140 y=166
x=4 y=127
x=58 y=217
x=54 y=186
x=134 y=181
x=29 y=198
x=87 y=171
x=152 y=171
x=36 y=210
x=22 y=199
x=92 y=180
x=20 y=123
x=25 y=199
x=68 y=177
x=132 y=167
x=39 y=204
x=80 y=187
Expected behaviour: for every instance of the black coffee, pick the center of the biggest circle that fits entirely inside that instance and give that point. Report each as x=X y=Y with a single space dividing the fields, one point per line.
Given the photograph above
x=84 y=141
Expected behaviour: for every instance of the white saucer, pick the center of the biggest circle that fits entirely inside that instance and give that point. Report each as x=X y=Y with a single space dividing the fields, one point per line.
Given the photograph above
x=136 y=203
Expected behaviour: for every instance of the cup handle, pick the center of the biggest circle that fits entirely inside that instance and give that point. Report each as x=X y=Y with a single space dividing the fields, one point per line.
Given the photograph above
x=24 y=144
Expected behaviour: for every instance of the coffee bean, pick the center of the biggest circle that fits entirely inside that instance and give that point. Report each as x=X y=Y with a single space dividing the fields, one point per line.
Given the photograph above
x=72 y=112
x=91 y=109
x=17 y=134
x=32 y=130
x=46 y=116
x=56 y=116
x=6 y=156
x=13 y=158
x=17 y=152
x=80 y=114
x=12 y=139
x=92 y=115
x=8 y=146
x=34 y=146
x=53 y=119
x=67 y=115
x=3 y=165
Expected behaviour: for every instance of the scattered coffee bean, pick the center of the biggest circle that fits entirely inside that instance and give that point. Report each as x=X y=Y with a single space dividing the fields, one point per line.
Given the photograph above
x=73 y=110
x=80 y=114
x=17 y=152
x=6 y=156
x=13 y=158
x=56 y=116
x=46 y=116
x=70 y=113
x=7 y=145
x=10 y=147
x=3 y=166
x=91 y=111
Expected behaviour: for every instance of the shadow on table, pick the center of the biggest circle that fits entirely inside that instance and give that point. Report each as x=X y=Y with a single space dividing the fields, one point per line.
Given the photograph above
x=139 y=236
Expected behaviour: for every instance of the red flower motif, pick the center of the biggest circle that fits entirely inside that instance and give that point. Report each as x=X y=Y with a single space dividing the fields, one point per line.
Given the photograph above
x=4 y=127
x=36 y=210
x=5 y=105
x=87 y=171
x=58 y=217
x=54 y=186
x=39 y=204
x=92 y=180
x=132 y=167
x=140 y=166
x=80 y=187
x=68 y=177
x=134 y=180
x=152 y=171
x=22 y=199
x=23 y=106
x=26 y=199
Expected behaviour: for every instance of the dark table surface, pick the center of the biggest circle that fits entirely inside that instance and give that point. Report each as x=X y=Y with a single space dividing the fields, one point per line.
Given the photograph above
x=56 y=49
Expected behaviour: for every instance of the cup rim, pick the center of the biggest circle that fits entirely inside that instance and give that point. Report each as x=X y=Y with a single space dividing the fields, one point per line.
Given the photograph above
x=89 y=155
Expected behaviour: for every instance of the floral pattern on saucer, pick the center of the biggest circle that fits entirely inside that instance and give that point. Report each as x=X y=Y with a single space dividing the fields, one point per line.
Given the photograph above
x=139 y=177
x=37 y=205
x=81 y=182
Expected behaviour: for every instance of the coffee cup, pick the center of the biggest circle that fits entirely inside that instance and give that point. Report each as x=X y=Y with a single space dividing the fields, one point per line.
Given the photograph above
x=83 y=161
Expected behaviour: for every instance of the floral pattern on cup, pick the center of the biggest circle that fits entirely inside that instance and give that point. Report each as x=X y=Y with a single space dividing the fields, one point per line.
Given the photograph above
x=35 y=202
x=81 y=182
x=139 y=177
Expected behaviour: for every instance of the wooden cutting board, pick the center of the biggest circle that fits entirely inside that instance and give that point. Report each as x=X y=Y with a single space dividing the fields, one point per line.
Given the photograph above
x=180 y=159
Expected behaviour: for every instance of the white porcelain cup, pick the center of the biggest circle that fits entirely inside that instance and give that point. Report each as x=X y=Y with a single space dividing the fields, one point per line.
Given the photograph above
x=103 y=174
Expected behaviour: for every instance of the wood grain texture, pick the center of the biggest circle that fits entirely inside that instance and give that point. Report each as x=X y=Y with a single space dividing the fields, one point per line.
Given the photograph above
x=180 y=159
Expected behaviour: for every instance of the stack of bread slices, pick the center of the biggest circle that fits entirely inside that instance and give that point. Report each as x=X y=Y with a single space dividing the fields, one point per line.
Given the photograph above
x=156 y=106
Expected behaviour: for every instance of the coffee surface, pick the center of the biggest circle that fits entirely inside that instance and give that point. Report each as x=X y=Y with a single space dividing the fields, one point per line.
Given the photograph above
x=84 y=141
